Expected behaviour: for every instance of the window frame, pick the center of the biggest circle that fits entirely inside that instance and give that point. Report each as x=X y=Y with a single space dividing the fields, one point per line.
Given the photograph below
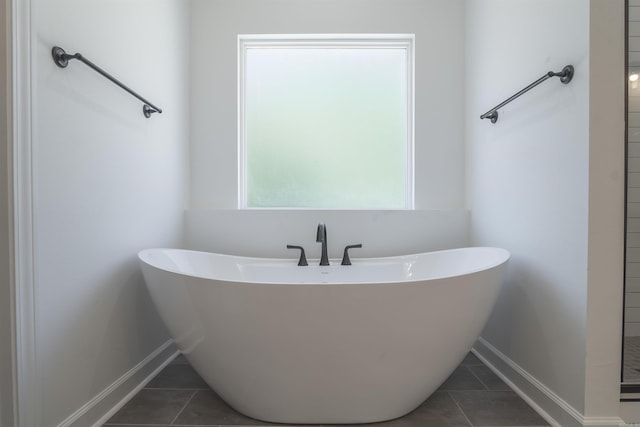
x=378 y=41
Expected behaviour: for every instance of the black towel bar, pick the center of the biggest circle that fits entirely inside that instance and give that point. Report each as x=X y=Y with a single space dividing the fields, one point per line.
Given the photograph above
x=61 y=58
x=565 y=77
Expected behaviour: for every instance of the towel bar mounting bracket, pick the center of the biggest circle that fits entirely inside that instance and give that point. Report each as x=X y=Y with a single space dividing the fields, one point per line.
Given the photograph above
x=565 y=75
x=60 y=57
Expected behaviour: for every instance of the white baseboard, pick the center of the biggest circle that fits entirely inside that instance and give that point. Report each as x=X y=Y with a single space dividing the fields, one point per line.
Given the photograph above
x=106 y=403
x=549 y=405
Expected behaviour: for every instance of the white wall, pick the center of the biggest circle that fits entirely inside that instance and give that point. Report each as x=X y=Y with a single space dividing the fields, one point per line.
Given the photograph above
x=607 y=86
x=382 y=233
x=528 y=179
x=6 y=294
x=439 y=71
x=632 y=280
x=546 y=183
x=439 y=108
x=107 y=183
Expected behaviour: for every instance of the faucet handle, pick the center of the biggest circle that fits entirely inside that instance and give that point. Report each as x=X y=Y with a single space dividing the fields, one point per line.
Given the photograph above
x=345 y=257
x=303 y=259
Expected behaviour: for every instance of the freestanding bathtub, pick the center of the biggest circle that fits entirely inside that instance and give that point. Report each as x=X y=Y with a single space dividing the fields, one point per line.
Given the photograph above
x=339 y=344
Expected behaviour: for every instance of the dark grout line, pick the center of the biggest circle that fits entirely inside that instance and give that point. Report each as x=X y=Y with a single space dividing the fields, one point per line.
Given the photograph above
x=486 y=387
x=460 y=408
x=184 y=407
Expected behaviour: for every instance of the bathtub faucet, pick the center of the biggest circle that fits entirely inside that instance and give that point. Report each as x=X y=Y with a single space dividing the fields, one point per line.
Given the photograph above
x=321 y=237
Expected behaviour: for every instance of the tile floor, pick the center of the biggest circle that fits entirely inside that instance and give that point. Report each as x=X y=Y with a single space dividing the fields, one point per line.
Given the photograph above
x=472 y=396
x=631 y=360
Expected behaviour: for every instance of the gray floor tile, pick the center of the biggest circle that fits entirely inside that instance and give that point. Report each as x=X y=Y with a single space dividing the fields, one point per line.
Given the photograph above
x=631 y=359
x=439 y=410
x=472 y=396
x=488 y=378
x=180 y=360
x=462 y=379
x=178 y=376
x=207 y=407
x=496 y=408
x=471 y=359
x=391 y=423
x=152 y=407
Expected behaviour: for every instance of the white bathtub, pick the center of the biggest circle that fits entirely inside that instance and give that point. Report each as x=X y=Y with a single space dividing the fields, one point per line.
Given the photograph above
x=339 y=344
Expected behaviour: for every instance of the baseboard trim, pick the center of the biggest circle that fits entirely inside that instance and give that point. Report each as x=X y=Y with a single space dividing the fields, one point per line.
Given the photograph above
x=550 y=406
x=106 y=403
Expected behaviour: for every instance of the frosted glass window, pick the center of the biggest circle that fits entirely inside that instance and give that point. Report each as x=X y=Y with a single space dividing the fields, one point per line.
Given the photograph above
x=326 y=123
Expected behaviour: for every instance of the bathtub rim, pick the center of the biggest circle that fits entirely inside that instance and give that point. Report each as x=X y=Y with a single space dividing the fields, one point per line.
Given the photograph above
x=502 y=257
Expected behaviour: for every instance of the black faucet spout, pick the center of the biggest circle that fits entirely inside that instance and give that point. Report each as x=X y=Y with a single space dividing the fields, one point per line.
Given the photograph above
x=321 y=237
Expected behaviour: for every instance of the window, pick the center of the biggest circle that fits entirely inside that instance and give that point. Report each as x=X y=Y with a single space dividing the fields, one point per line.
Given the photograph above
x=326 y=121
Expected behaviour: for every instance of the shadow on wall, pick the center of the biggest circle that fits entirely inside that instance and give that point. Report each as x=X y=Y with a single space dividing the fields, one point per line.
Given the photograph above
x=517 y=312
